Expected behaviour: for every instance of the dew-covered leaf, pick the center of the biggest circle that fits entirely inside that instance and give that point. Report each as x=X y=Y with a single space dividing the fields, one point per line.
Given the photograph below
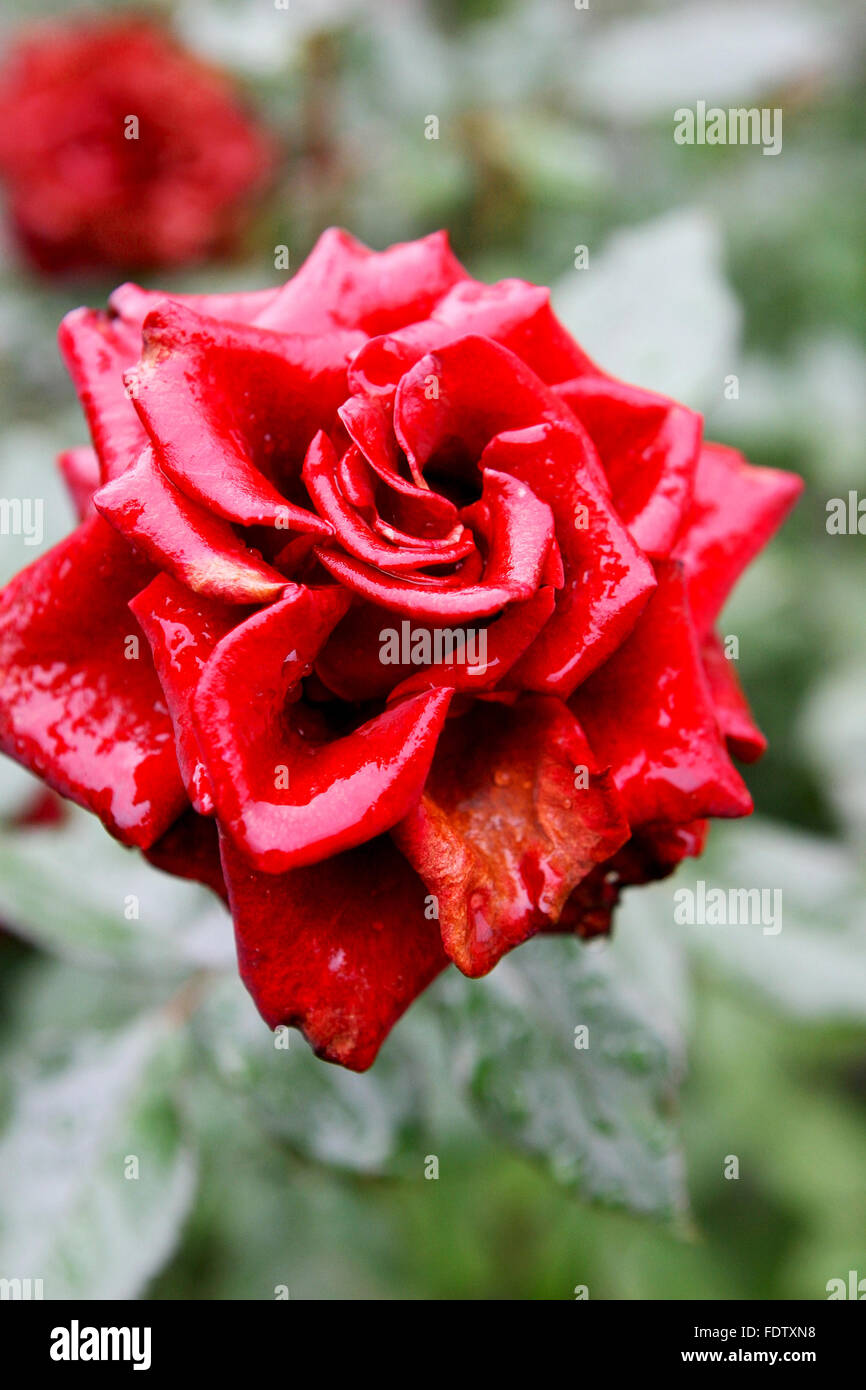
x=77 y=893
x=96 y=1172
x=367 y=1122
x=596 y=1105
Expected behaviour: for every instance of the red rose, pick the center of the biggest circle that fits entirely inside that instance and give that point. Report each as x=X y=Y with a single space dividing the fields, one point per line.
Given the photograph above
x=303 y=492
x=120 y=149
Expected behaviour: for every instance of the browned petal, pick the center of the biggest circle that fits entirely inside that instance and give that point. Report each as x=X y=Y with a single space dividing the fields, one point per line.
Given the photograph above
x=514 y=813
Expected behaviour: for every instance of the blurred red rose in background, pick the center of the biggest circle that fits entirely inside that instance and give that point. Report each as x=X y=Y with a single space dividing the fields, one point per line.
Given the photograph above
x=120 y=149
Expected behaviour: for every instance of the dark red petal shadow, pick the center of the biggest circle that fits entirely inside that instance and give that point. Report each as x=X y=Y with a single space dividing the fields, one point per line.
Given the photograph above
x=507 y=638
x=320 y=474
x=190 y=849
x=649 y=716
x=650 y=854
x=182 y=630
x=340 y=791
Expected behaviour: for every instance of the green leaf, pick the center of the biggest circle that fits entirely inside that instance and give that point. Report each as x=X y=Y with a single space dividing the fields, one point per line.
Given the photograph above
x=365 y=1123
x=653 y=307
x=82 y=1107
x=598 y=1116
x=548 y=159
x=647 y=65
x=77 y=893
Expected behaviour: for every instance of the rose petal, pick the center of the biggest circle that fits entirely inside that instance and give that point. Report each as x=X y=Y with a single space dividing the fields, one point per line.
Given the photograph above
x=513 y=313
x=409 y=501
x=97 y=350
x=744 y=739
x=517 y=528
x=502 y=833
x=190 y=849
x=132 y=304
x=338 y=949
x=80 y=470
x=606 y=579
x=353 y=533
x=368 y=425
x=199 y=549
x=350 y=663
x=73 y=708
x=342 y=283
x=378 y=366
x=232 y=409
x=506 y=638
x=650 y=854
x=648 y=715
x=735 y=509
x=649 y=449
x=415 y=600
x=482 y=389
x=291 y=797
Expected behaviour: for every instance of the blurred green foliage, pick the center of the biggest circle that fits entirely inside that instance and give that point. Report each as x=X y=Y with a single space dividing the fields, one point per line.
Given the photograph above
x=555 y=130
